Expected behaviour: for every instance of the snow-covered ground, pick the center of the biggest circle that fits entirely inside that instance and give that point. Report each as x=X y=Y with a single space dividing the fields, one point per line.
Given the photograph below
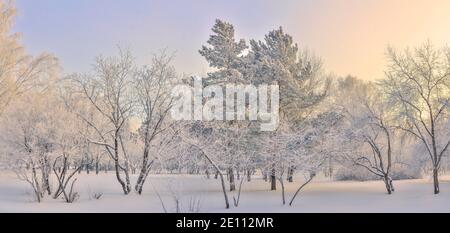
x=319 y=196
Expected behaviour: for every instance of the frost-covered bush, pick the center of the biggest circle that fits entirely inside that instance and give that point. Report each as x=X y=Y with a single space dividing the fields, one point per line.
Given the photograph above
x=357 y=173
x=404 y=172
x=354 y=173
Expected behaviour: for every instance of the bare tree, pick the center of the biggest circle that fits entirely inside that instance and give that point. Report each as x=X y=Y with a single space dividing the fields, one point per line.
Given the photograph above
x=64 y=178
x=311 y=177
x=30 y=142
x=35 y=130
x=109 y=93
x=311 y=147
x=238 y=198
x=153 y=87
x=32 y=179
x=418 y=83
x=368 y=138
x=203 y=138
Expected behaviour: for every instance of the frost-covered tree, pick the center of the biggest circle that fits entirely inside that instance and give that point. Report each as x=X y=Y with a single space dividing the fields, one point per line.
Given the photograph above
x=299 y=150
x=303 y=86
x=224 y=53
x=227 y=56
x=418 y=83
x=224 y=148
x=153 y=85
x=277 y=59
x=70 y=147
x=202 y=137
x=109 y=92
x=368 y=137
x=19 y=71
x=30 y=141
x=39 y=133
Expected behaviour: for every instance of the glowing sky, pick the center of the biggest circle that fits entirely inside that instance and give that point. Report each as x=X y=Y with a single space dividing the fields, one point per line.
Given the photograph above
x=350 y=35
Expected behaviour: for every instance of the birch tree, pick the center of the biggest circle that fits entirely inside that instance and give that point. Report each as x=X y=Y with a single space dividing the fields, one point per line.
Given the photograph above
x=109 y=92
x=37 y=129
x=19 y=71
x=153 y=85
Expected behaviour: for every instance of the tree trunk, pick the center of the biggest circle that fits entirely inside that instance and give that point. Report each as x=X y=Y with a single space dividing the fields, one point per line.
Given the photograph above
x=290 y=174
x=127 y=180
x=436 y=180
x=282 y=190
x=140 y=180
x=117 y=169
x=388 y=183
x=227 y=204
x=330 y=168
x=273 y=180
x=207 y=174
x=231 y=178
x=96 y=167
x=145 y=169
x=300 y=188
x=216 y=175
x=236 y=201
x=45 y=175
x=35 y=183
x=391 y=184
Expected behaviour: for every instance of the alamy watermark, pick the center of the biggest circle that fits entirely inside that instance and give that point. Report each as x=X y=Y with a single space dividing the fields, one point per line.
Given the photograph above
x=227 y=102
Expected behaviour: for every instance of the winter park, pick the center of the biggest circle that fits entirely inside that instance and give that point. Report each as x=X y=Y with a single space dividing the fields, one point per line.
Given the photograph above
x=206 y=107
